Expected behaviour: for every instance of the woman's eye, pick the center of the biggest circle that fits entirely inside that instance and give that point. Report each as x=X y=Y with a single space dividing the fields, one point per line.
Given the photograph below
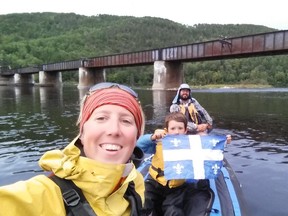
x=100 y=118
x=127 y=121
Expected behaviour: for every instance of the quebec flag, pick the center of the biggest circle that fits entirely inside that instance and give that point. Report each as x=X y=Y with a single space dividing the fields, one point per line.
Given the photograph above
x=193 y=156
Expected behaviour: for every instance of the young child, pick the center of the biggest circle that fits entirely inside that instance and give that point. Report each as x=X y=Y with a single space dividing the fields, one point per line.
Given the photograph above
x=173 y=197
x=162 y=196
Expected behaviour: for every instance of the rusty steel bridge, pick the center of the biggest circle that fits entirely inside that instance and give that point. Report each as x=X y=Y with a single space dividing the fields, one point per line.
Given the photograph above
x=263 y=44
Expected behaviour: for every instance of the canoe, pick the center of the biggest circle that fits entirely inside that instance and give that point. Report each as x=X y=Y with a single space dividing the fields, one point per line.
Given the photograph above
x=228 y=198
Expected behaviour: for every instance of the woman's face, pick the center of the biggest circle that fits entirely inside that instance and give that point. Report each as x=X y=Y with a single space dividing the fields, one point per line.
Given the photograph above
x=109 y=135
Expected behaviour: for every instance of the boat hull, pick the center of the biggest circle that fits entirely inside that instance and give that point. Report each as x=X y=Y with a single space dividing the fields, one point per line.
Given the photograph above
x=228 y=198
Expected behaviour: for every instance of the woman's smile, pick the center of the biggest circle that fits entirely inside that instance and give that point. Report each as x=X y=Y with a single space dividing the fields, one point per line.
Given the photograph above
x=111 y=147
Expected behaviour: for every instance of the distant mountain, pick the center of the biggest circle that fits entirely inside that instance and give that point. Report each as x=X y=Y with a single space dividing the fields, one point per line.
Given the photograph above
x=35 y=38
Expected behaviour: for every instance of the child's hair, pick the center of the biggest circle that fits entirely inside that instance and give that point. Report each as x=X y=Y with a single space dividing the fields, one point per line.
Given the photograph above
x=176 y=116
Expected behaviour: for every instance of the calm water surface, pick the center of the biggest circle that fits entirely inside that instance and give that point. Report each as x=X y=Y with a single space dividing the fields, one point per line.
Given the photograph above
x=36 y=119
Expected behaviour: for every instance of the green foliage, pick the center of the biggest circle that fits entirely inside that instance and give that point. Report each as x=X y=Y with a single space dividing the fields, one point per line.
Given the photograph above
x=37 y=38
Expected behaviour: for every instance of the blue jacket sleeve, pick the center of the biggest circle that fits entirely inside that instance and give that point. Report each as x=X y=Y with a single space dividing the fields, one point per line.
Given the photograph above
x=147 y=145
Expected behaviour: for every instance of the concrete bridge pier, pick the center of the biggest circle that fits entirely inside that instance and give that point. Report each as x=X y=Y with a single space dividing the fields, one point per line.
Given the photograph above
x=167 y=75
x=7 y=80
x=24 y=79
x=90 y=76
x=50 y=79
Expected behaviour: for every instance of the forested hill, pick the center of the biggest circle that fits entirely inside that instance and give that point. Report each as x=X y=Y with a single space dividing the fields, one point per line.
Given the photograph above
x=37 y=38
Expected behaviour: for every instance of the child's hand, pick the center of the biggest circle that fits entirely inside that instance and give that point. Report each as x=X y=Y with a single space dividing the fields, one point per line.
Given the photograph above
x=228 y=139
x=158 y=134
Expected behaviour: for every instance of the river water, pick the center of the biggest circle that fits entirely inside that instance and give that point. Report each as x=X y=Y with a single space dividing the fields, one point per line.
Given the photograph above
x=36 y=119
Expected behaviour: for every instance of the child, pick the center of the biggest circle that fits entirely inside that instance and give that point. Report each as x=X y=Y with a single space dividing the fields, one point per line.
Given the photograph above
x=173 y=197
x=162 y=196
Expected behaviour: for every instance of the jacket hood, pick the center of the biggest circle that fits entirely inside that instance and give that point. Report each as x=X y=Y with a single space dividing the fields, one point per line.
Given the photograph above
x=69 y=164
x=182 y=86
x=137 y=156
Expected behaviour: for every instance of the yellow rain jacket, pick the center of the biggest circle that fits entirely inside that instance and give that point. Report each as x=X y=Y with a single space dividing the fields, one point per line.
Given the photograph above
x=40 y=196
x=158 y=163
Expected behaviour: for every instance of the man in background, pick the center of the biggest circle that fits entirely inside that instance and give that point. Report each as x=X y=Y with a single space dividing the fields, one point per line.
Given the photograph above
x=199 y=120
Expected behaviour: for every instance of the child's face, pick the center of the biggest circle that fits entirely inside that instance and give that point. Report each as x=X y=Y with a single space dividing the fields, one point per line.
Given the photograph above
x=175 y=128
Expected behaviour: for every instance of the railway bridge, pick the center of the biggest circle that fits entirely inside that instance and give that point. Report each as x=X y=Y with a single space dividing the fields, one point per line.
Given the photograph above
x=167 y=61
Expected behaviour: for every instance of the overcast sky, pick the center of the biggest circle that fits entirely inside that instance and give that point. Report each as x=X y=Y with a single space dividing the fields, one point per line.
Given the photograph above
x=259 y=12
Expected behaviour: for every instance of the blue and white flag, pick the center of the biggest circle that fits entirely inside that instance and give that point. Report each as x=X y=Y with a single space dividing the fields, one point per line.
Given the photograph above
x=192 y=156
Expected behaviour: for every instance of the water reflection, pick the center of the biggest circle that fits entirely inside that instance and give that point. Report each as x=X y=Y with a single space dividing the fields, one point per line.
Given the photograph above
x=159 y=106
x=29 y=126
x=23 y=91
x=82 y=93
x=50 y=94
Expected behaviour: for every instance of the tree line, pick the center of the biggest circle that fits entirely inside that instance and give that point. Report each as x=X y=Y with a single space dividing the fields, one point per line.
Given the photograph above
x=29 y=39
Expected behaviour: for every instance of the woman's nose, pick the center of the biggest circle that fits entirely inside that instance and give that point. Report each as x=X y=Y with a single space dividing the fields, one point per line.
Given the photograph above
x=113 y=128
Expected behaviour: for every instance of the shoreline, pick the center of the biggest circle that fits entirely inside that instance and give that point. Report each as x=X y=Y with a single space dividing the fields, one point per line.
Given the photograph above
x=206 y=87
x=217 y=86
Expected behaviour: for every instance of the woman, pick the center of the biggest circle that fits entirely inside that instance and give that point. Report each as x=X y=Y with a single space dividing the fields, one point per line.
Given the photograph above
x=98 y=161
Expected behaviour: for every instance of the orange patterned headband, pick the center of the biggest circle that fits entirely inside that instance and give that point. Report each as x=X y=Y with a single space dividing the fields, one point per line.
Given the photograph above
x=112 y=96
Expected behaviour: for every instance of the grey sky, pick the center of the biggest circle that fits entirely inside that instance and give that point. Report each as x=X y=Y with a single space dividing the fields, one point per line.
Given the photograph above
x=268 y=13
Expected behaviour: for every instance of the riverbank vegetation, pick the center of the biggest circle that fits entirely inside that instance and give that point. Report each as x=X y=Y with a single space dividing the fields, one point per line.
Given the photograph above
x=38 y=38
